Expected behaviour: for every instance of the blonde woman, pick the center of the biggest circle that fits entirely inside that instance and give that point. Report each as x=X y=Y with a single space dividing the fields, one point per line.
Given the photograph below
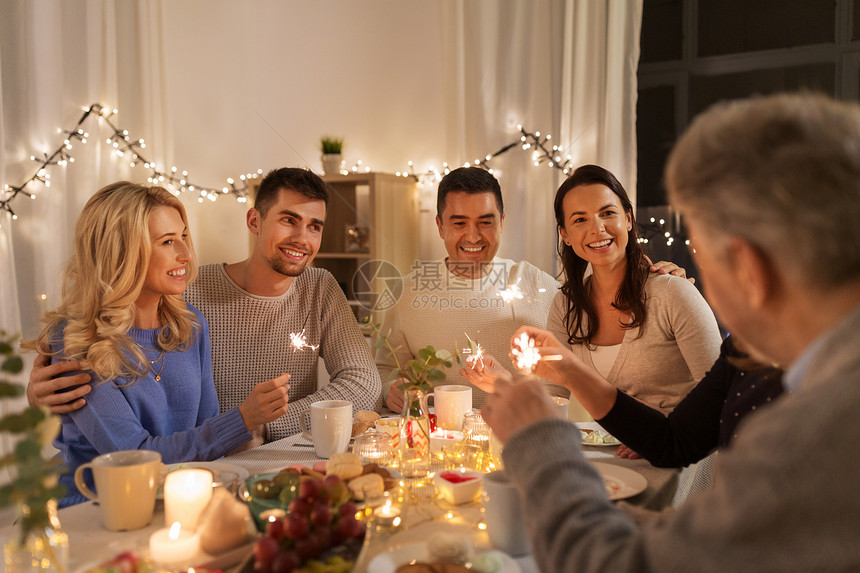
x=123 y=318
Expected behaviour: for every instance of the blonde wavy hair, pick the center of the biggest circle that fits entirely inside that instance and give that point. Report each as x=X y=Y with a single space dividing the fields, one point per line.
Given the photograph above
x=105 y=276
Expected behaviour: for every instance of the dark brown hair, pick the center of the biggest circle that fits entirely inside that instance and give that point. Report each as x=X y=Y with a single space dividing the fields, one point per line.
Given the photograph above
x=631 y=293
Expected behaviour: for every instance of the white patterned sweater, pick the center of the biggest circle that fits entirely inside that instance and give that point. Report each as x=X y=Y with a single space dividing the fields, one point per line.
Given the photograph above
x=250 y=338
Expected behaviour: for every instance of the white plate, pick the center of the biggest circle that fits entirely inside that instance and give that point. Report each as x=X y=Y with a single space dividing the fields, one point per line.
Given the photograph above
x=389 y=561
x=621 y=482
x=584 y=426
x=241 y=472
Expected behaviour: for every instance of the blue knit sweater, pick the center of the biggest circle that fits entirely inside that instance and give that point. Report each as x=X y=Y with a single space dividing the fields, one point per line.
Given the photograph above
x=176 y=416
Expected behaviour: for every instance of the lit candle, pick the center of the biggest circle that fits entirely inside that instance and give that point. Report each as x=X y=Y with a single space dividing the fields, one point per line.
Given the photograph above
x=186 y=494
x=387 y=514
x=440 y=438
x=173 y=545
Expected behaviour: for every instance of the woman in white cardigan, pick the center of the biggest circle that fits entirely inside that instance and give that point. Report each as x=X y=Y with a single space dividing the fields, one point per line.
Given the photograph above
x=652 y=336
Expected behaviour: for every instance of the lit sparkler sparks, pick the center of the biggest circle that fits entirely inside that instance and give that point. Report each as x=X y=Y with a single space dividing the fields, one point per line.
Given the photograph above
x=526 y=354
x=476 y=355
x=512 y=292
x=299 y=342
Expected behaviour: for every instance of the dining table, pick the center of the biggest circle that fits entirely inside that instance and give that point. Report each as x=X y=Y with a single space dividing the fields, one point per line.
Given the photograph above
x=91 y=544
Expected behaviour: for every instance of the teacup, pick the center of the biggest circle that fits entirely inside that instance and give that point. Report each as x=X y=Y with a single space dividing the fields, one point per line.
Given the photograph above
x=126 y=482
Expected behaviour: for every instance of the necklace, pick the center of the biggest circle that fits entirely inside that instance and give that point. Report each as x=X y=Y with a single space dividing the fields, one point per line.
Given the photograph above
x=151 y=362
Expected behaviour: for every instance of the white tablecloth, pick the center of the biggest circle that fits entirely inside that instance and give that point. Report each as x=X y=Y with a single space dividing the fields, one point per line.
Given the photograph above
x=91 y=544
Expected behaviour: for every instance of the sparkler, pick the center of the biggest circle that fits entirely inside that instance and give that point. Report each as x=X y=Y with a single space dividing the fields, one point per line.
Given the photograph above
x=512 y=292
x=477 y=355
x=299 y=342
x=526 y=354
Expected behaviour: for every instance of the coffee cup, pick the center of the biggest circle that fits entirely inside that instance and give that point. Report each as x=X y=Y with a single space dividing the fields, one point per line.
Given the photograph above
x=561 y=406
x=126 y=482
x=503 y=515
x=451 y=403
x=331 y=426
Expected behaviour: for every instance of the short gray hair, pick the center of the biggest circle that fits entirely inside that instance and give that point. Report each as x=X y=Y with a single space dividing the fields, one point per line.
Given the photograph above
x=783 y=173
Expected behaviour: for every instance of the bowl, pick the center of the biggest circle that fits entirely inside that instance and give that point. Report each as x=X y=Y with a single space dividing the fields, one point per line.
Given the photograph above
x=459 y=486
x=269 y=494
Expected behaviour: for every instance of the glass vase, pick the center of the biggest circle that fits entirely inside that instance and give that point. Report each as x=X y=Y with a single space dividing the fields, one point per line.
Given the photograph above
x=414 y=447
x=45 y=548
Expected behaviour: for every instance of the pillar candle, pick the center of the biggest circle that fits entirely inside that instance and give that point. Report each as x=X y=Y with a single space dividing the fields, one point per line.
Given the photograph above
x=186 y=494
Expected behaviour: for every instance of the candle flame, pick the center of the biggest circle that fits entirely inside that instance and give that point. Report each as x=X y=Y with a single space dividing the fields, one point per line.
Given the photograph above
x=173 y=532
x=299 y=342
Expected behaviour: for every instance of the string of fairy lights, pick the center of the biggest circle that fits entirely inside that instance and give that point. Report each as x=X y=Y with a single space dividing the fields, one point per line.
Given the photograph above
x=543 y=152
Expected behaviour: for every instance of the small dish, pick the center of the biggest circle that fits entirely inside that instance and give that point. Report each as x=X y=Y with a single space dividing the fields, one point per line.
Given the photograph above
x=459 y=486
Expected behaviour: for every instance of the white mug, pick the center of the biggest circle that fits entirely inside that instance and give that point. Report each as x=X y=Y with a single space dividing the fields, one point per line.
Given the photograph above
x=331 y=426
x=126 y=482
x=561 y=406
x=451 y=403
x=503 y=515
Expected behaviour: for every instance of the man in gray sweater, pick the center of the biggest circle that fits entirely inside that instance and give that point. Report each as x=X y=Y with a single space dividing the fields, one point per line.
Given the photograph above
x=770 y=189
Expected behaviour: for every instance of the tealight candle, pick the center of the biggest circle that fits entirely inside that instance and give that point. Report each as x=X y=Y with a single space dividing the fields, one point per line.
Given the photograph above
x=387 y=514
x=440 y=438
x=173 y=544
x=186 y=494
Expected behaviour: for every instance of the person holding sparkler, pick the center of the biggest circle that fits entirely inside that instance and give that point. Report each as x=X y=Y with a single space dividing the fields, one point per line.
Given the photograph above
x=472 y=300
x=269 y=314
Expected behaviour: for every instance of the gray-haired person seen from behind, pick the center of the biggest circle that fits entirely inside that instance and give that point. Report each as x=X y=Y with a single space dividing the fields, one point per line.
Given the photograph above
x=770 y=191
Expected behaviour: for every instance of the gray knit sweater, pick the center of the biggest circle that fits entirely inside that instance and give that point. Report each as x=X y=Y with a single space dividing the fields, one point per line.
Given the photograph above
x=250 y=337
x=786 y=496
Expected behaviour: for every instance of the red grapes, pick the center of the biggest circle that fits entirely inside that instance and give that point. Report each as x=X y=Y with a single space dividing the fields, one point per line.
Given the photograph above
x=318 y=519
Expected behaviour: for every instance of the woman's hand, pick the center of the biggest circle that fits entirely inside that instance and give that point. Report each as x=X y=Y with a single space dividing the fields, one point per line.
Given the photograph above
x=484 y=372
x=48 y=388
x=626 y=453
x=517 y=403
x=266 y=402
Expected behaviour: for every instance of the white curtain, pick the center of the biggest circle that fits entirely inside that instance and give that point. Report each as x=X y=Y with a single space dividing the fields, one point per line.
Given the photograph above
x=55 y=57
x=567 y=67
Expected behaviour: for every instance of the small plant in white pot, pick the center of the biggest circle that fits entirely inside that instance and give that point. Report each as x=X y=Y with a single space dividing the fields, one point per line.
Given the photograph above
x=332 y=148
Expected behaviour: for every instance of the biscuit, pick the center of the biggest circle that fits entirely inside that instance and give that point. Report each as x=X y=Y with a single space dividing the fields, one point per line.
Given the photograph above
x=345 y=465
x=366 y=416
x=359 y=427
x=366 y=486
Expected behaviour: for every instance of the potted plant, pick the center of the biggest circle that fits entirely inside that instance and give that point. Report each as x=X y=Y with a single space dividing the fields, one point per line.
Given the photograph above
x=331 y=148
x=33 y=487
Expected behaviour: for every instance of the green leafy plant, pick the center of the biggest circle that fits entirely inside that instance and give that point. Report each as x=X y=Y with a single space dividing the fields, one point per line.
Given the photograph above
x=329 y=144
x=34 y=482
x=421 y=372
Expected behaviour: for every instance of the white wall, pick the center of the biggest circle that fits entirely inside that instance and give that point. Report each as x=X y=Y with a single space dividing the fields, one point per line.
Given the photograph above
x=253 y=85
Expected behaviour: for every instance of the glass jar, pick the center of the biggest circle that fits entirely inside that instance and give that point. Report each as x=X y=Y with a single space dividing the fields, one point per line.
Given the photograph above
x=414 y=448
x=373 y=447
x=45 y=548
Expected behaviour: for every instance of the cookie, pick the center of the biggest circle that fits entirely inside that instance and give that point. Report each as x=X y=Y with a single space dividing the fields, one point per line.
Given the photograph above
x=366 y=416
x=345 y=465
x=367 y=486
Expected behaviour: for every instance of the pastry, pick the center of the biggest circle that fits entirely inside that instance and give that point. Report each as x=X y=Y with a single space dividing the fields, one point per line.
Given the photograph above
x=345 y=465
x=367 y=486
x=366 y=416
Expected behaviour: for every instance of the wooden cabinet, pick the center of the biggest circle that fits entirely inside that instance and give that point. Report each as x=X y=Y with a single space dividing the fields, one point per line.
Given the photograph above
x=370 y=217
